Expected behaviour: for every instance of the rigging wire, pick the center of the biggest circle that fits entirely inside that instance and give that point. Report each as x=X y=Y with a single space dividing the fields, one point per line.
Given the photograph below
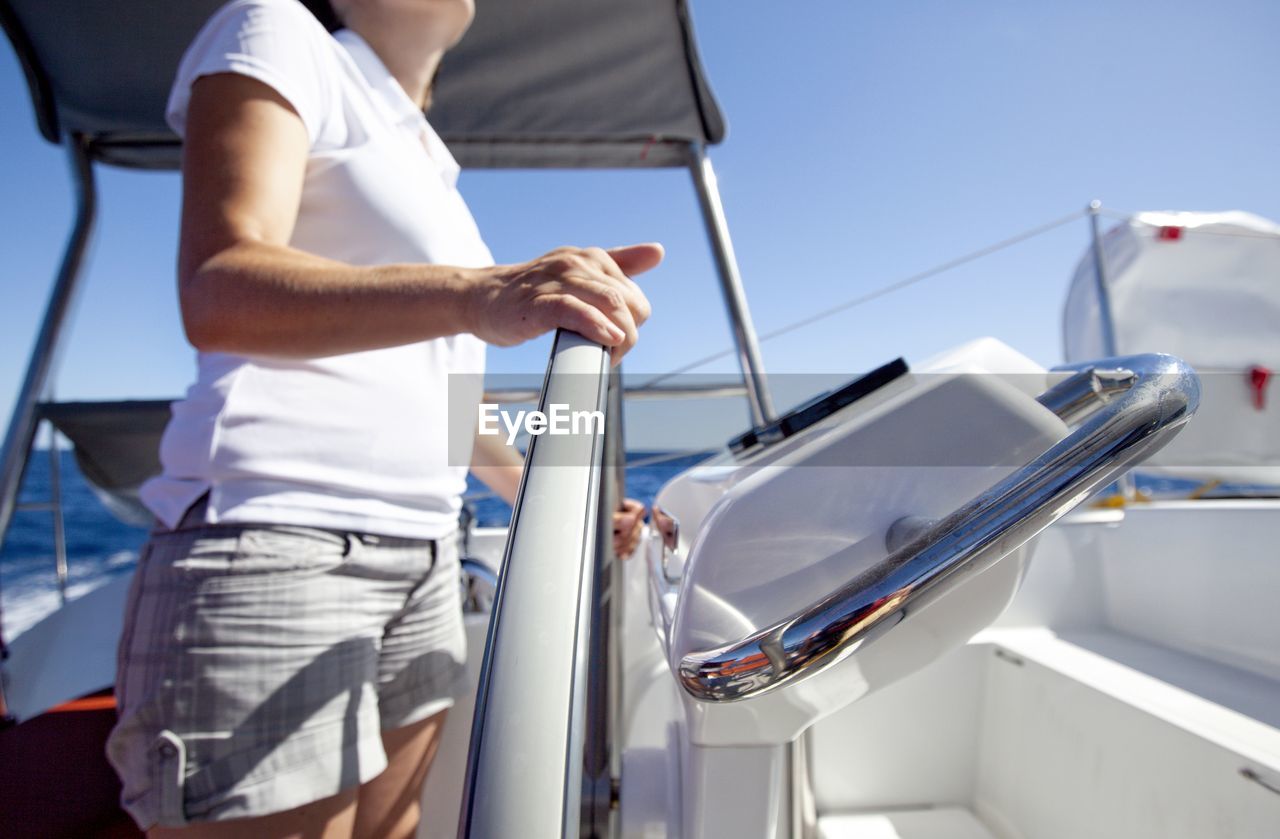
x=876 y=293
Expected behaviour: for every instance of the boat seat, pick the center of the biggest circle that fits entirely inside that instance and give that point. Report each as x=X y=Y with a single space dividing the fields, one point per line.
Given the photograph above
x=1233 y=708
x=1055 y=735
x=117 y=447
x=1135 y=727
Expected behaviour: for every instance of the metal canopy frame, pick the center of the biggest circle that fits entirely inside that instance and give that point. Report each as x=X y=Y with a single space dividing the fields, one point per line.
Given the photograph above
x=24 y=422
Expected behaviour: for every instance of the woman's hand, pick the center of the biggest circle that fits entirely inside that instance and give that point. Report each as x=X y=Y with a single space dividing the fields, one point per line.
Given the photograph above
x=627 y=524
x=587 y=290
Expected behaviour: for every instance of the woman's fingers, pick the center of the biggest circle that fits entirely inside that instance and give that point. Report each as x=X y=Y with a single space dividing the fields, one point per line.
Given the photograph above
x=636 y=259
x=575 y=314
x=587 y=290
x=611 y=301
x=636 y=302
x=627 y=525
x=593 y=276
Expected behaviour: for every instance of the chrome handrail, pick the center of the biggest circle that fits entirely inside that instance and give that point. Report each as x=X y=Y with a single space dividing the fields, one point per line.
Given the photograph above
x=525 y=767
x=479 y=584
x=1162 y=393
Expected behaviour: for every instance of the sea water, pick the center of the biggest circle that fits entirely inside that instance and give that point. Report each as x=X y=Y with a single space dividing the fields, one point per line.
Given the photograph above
x=100 y=547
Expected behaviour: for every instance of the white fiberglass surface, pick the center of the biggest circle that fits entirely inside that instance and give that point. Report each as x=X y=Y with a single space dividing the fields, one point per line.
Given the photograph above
x=942 y=823
x=1063 y=756
x=1104 y=703
x=1202 y=577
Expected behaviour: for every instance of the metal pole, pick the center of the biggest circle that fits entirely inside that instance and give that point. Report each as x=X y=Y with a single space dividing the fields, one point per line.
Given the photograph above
x=55 y=510
x=616 y=453
x=803 y=815
x=1125 y=483
x=25 y=422
x=1104 y=292
x=744 y=332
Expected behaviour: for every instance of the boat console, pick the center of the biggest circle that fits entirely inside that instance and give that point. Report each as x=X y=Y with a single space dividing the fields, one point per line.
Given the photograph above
x=795 y=578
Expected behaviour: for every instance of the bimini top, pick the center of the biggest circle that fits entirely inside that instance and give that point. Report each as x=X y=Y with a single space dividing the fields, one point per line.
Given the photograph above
x=1206 y=288
x=545 y=84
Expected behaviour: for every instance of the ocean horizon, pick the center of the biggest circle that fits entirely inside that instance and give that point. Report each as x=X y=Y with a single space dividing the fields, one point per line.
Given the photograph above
x=101 y=548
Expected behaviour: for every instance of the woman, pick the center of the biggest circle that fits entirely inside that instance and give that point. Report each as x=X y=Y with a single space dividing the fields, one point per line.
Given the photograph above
x=294 y=630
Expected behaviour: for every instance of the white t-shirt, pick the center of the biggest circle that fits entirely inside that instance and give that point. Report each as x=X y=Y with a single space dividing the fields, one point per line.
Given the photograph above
x=359 y=441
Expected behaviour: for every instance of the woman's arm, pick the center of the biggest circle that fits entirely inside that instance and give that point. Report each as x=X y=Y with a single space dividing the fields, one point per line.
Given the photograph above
x=244 y=290
x=500 y=466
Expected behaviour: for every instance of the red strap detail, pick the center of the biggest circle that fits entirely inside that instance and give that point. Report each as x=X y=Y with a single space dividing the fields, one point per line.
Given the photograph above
x=1259 y=377
x=86 y=703
x=1169 y=233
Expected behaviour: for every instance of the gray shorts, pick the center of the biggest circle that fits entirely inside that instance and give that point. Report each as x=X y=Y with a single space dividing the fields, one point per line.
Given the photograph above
x=259 y=665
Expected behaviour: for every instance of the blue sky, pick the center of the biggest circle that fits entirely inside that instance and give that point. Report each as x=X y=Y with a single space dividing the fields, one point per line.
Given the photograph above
x=868 y=141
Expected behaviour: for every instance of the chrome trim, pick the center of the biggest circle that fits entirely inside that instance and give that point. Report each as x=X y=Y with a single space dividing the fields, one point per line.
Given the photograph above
x=801 y=798
x=55 y=509
x=662 y=591
x=1163 y=395
x=525 y=766
x=1080 y=393
x=906 y=530
x=667 y=527
x=664 y=586
x=735 y=300
x=479 y=586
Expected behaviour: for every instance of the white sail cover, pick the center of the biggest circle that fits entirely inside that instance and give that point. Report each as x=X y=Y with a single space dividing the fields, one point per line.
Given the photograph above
x=1204 y=287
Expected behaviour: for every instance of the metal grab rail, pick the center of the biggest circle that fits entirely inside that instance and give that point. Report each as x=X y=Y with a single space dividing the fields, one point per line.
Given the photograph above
x=525 y=766
x=1140 y=403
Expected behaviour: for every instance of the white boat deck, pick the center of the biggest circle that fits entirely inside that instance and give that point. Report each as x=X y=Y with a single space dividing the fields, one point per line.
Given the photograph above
x=935 y=823
x=1228 y=706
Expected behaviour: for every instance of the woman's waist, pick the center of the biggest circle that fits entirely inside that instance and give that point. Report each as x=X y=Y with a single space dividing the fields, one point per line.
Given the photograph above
x=430 y=511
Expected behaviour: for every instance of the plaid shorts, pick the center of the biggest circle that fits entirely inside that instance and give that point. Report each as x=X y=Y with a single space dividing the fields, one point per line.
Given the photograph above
x=259 y=664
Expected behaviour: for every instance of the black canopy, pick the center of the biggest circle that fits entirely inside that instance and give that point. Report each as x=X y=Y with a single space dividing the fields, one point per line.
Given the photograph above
x=534 y=84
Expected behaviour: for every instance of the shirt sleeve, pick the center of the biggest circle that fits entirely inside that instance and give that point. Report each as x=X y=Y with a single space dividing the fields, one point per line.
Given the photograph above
x=277 y=42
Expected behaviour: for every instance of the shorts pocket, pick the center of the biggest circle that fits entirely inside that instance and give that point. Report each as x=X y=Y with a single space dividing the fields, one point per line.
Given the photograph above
x=247 y=557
